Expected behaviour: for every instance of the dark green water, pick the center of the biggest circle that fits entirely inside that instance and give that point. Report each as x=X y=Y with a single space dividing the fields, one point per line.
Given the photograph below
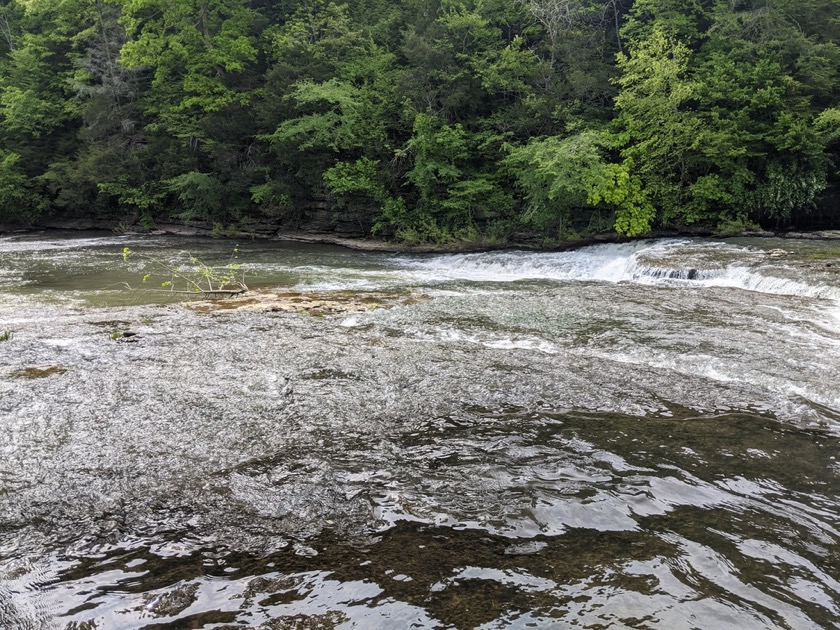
x=637 y=436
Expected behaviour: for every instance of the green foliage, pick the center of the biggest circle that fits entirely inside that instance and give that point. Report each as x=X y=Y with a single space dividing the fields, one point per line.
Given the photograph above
x=145 y=197
x=736 y=226
x=509 y=71
x=725 y=126
x=271 y=198
x=436 y=150
x=347 y=119
x=448 y=192
x=786 y=188
x=559 y=175
x=28 y=101
x=199 y=194
x=681 y=19
x=550 y=173
x=220 y=231
x=656 y=127
x=17 y=202
x=359 y=177
x=6 y=335
x=186 y=274
x=827 y=125
x=431 y=120
x=193 y=46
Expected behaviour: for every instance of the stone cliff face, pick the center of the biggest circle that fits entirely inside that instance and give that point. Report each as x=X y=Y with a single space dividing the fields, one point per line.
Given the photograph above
x=323 y=216
x=323 y=220
x=318 y=217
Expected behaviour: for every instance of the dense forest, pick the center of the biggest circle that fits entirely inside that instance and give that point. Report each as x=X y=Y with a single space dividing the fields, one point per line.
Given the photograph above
x=423 y=120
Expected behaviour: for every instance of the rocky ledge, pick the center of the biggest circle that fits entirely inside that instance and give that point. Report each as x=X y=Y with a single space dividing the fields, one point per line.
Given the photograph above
x=358 y=240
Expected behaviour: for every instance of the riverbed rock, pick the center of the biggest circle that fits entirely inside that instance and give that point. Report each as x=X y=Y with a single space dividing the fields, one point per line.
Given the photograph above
x=820 y=235
x=38 y=372
x=314 y=303
x=170 y=603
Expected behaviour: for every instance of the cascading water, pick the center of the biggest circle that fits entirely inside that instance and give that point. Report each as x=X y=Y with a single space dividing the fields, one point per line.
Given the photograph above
x=703 y=264
x=630 y=435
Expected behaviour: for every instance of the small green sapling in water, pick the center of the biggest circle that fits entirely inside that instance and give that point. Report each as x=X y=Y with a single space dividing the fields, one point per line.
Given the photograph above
x=193 y=276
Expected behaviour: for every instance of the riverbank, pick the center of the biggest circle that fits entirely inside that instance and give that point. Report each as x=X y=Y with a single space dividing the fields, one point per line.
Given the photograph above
x=521 y=240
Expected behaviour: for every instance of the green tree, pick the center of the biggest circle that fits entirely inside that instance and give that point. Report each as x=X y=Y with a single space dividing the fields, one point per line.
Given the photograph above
x=37 y=111
x=724 y=129
x=561 y=175
x=656 y=124
x=334 y=136
x=110 y=138
x=195 y=50
x=17 y=202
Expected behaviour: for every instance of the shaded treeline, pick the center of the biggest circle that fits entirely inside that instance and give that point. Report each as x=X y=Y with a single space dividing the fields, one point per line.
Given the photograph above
x=425 y=120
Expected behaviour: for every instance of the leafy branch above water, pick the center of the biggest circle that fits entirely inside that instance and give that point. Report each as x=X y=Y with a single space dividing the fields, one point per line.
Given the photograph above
x=192 y=276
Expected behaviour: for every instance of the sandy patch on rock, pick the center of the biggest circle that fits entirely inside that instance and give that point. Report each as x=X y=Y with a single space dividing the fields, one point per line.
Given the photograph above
x=314 y=303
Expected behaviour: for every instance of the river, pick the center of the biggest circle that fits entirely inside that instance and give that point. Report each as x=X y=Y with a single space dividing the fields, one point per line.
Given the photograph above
x=637 y=435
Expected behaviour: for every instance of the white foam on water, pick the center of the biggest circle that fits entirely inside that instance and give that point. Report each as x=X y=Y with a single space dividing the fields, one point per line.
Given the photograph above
x=333 y=278
x=28 y=244
x=498 y=342
x=661 y=263
x=600 y=262
x=732 y=372
x=833 y=312
x=757 y=281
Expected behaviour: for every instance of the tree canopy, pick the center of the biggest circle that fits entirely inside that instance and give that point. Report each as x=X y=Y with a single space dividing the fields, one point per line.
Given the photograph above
x=424 y=120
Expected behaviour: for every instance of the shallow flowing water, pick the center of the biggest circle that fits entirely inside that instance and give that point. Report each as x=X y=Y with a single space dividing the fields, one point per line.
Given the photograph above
x=639 y=435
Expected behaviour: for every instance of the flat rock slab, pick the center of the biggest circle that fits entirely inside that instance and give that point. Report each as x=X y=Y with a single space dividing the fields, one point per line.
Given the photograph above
x=314 y=303
x=822 y=235
x=38 y=372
